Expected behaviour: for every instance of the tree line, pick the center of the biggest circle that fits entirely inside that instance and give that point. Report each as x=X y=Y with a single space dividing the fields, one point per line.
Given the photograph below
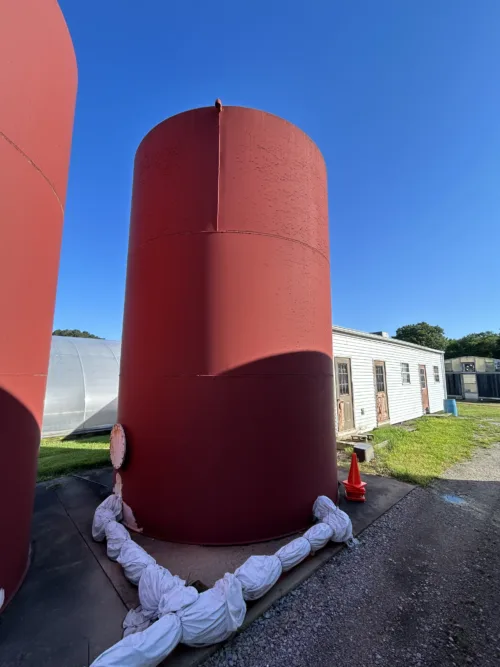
x=74 y=333
x=482 y=344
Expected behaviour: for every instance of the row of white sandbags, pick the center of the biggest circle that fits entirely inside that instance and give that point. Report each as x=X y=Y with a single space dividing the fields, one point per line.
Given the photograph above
x=196 y=619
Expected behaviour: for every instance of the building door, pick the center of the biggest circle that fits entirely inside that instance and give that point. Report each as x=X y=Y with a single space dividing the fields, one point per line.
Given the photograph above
x=470 y=386
x=381 y=392
x=424 y=389
x=345 y=412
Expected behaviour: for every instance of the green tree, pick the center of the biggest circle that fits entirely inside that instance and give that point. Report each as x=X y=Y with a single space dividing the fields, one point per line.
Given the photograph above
x=75 y=333
x=428 y=335
x=483 y=344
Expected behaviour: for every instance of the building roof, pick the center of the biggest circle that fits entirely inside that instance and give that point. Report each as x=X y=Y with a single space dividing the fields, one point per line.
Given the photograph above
x=395 y=341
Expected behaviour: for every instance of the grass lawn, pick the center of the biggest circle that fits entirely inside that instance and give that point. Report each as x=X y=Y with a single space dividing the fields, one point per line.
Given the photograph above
x=59 y=457
x=422 y=455
x=417 y=456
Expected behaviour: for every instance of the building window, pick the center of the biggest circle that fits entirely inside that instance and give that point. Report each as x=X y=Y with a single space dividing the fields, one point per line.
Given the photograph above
x=436 y=374
x=343 y=372
x=380 y=378
x=405 y=373
x=468 y=367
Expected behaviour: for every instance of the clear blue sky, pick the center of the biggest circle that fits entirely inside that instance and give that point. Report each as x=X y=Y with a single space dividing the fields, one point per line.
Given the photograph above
x=403 y=99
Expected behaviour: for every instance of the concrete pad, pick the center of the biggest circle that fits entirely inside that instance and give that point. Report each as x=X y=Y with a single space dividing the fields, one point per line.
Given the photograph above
x=72 y=604
x=80 y=496
x=66 y=612
x=206 y=564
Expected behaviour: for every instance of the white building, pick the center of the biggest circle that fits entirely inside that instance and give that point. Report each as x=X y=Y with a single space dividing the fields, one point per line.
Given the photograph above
x=381 y=380
x=377 y=380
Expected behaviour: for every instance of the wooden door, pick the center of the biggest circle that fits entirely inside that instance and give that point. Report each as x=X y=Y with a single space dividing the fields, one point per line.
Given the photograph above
x=381 y=392
x=423 y=388
x=345 y=412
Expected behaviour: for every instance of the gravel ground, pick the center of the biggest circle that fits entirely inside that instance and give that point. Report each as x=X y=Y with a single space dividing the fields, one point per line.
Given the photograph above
x=421 y=589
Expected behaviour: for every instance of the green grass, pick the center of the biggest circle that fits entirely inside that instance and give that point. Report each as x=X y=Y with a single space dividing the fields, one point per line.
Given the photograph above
x=422 y=455
x=483 y=410
x=59 y=457
x=413 y=456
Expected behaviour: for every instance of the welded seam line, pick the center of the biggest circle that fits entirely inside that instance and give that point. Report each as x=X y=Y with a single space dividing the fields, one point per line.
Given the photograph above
x=233 y=231
x=219 y=113
x=35 y=166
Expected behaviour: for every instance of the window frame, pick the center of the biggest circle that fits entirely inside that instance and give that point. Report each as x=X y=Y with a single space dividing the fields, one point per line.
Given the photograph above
x=343 y=378
x=437 y=377
x=380 y=380
x=405 y=373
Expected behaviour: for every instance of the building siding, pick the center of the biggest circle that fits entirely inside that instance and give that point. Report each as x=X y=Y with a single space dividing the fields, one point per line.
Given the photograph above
x=404 y=401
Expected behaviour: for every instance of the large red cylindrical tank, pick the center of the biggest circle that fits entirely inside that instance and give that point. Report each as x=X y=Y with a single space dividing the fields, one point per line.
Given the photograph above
x=226 y=388
x=38 y=80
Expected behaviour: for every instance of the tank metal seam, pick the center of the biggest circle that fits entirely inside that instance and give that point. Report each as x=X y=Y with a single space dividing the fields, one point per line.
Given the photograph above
x=30 y=375
x=219 y=114
x=234 y=231
x=34 y=165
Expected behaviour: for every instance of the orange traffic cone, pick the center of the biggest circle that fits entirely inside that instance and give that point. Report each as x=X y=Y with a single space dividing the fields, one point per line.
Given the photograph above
x=354 y=487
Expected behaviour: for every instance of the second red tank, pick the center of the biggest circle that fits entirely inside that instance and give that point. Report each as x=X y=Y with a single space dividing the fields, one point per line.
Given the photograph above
x=38 y=80
x=226 y=387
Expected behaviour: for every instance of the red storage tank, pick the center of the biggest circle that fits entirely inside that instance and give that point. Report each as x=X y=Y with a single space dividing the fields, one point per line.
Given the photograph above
x=226 y=386
x=38 y=80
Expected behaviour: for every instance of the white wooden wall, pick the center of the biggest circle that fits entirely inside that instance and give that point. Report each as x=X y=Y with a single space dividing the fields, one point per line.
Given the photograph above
x=405 y=400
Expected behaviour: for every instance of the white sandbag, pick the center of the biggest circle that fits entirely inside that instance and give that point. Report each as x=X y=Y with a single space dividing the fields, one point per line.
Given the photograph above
x=144 y=649
x=257 y=575
x=176 y=599
x=109 y=510
x=323 y=505
x=135 y=621
x=162 y=593
x=134 y=560
x=116 y=536
x=215 y=615
x=293 y=553
x=318 y=536
x=154 y=582
x=341 y=524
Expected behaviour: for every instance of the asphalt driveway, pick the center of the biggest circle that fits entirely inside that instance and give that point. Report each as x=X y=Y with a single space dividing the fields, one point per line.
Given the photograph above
x=422 y=588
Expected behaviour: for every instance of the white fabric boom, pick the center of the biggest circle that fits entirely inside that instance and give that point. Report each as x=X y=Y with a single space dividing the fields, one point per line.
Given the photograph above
x=171 y=612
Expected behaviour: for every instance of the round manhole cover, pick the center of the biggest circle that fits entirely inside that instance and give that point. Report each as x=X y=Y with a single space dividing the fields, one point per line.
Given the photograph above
x=118 y=446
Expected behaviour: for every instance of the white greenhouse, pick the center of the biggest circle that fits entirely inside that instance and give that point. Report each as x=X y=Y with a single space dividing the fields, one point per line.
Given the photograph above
x=82 y=385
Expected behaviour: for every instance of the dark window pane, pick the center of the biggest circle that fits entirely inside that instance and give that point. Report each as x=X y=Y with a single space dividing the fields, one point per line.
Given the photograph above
x=422 y=378
x=379 y=378
x=343 y=376
x=405 y=373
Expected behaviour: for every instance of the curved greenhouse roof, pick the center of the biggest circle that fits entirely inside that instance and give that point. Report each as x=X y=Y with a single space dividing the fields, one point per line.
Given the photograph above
x=82 y=385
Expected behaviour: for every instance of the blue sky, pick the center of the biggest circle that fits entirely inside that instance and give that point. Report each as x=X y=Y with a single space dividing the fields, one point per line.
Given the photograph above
x=403 y=99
